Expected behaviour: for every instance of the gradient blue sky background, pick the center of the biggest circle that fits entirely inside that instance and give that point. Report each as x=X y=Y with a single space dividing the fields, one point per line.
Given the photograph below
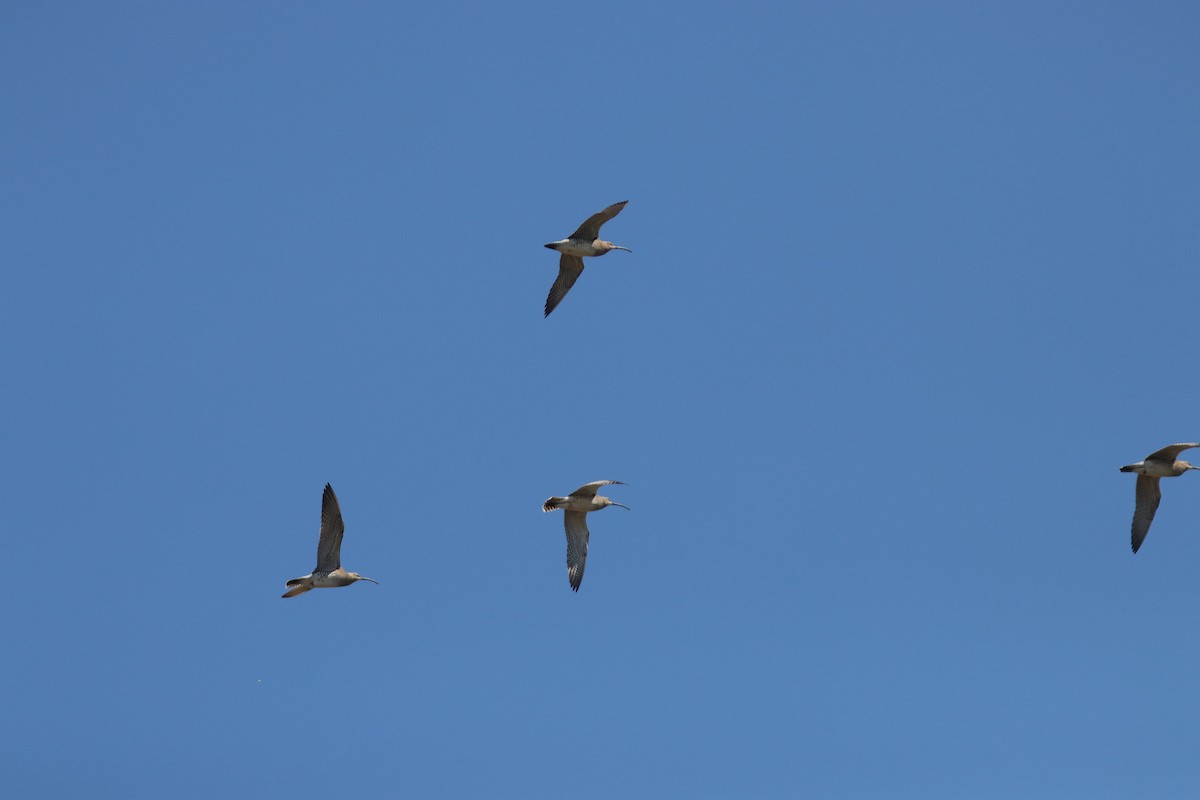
x=251 y=248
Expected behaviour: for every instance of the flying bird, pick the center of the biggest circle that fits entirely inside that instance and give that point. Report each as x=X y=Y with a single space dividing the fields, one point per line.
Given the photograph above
x=583 y=242
x=576 y=506
x=329 y=572
x=1159 y=464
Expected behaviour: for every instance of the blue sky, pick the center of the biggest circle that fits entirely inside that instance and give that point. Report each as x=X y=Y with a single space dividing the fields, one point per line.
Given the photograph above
x=886 y=261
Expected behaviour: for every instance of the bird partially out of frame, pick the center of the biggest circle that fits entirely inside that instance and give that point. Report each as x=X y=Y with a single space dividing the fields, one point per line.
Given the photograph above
x=1159 y=464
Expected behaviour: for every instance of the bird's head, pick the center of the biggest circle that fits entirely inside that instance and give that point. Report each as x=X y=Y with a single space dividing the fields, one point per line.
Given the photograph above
x=608 y=501
x=611 y=246
x=358 y=577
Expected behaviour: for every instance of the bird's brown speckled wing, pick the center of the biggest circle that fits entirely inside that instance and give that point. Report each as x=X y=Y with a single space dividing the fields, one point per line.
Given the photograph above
x=329 y=548
x=590 y=229
x=569 y=270
x=575 y=523
x=590 y=489
x=1172 y=451
x=1147 y=497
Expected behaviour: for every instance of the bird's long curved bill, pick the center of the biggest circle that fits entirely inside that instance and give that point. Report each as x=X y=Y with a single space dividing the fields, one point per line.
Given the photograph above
x=622 y=505
x=372 y=580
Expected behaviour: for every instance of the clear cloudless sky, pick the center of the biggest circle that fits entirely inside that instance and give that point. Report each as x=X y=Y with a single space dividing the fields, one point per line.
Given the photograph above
x=909 y=283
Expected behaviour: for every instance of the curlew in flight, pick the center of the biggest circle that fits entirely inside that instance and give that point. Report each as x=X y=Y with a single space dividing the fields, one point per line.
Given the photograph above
x=583 y=242
x=1160 y=464
x=328 y=572
x=576 y=506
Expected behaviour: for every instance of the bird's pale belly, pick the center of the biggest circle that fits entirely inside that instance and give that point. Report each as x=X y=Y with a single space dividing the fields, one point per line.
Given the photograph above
x=579 y=249
x=331 y=581
x=1161 y=469
x=584 y=504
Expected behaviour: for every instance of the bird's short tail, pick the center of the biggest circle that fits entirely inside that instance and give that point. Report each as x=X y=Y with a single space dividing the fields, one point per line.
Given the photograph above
x=553 y=503
x=299 y=588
